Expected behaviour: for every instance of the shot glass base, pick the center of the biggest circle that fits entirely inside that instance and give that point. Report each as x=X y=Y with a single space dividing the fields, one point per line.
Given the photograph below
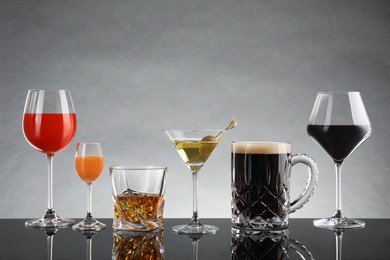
x=55 y=222
x=88 y=225
x=195 y=229
x=334 y=223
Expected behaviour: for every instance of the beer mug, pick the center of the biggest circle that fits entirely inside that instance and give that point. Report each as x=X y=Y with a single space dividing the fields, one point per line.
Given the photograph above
x=253 y=245
x=261 y=184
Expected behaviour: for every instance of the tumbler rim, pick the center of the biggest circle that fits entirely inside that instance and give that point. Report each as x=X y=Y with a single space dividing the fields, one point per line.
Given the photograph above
x=137 y=167
x=260 y=142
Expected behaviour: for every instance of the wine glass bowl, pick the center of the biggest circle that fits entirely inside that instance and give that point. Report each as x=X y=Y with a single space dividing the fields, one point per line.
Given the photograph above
x=339 y=124
x=49 y=125
x=89 y=165
x=194 y=148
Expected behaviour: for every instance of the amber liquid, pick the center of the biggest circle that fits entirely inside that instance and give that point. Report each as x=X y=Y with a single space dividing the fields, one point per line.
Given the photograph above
x=195 y=152
x=139 y=246
x=135 y=208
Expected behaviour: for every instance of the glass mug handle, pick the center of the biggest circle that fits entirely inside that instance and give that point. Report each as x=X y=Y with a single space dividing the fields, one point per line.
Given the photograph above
x=311 y=182
x=301 y=250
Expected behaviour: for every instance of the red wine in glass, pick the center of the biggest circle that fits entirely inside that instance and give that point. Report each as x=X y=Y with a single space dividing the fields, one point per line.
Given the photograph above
x=49 y=125
x=339 y=141
x=339 y=124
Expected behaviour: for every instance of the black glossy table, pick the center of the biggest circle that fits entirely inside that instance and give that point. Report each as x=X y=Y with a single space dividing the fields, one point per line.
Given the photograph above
x=18 y=242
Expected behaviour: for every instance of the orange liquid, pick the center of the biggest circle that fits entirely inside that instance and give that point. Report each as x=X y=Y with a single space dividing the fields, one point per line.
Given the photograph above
x=89 y=168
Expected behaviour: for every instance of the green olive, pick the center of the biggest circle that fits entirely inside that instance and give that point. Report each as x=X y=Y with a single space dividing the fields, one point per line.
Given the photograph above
x=208 y=138
x=207 y=148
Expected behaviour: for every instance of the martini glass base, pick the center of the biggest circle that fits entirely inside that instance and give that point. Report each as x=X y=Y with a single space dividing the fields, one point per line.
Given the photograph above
x=195 y=229
x=336 y=223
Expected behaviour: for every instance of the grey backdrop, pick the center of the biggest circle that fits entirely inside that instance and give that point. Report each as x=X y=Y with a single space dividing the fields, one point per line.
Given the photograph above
x=137 y=67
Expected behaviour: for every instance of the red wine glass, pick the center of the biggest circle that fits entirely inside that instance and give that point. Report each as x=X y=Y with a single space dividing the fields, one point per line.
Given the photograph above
x=49 y=125
x=339 y=124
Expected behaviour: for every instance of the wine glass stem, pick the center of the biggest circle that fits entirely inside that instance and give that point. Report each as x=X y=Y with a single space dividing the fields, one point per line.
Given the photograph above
x=89 y=248
x=50 y=209
x=339 y=245
x=49 y=241
x=195 y=217
x=338 y=213
x=89 y=200
x=195 y=249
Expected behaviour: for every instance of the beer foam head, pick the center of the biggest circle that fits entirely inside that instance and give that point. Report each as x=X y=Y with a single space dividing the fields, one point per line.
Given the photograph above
x=261 y=147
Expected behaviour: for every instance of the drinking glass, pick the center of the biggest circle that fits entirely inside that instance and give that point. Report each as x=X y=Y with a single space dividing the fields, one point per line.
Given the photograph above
x=195 y=147
x=49 y=125
x=278 y=245
x=261 y=184
x=89 y=165
x=138 y=193
x=339 y=124
x=138 y=245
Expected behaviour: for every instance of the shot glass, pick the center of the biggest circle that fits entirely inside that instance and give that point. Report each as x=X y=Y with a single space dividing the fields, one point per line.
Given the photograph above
x=138 y=194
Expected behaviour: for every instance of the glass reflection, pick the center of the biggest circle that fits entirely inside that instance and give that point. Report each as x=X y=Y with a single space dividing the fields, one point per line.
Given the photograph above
x=138 y=245
x=195 y=244
x=272 y=245
x=339 y=244
x=339 y=233
x=50 y=232
x=88 y=238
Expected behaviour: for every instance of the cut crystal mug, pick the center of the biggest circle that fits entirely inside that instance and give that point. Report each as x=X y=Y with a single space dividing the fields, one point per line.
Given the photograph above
x=261 y=184
x=278 y=245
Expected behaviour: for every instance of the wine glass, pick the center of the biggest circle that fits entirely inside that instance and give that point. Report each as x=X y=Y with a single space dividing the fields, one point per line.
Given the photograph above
x=89 y=165
x=195 y=147
x=339 y=124
x=49 y=125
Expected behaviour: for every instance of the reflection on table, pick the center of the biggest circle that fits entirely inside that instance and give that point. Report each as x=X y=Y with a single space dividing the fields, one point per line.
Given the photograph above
x=19 y=242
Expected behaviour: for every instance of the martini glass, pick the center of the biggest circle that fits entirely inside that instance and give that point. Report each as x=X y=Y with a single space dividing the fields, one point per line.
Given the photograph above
x=194 y=148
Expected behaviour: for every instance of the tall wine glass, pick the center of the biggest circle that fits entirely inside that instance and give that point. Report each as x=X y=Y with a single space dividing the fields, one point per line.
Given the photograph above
x=195 y=147
x=89 y=165
x=49 y=125
x=339 y=124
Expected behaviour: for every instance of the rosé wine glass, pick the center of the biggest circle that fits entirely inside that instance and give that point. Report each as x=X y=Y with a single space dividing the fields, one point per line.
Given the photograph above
x=49 y=125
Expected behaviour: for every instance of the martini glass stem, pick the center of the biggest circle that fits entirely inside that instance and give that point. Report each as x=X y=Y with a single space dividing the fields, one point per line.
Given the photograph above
x=195 y=217
x=338 y=213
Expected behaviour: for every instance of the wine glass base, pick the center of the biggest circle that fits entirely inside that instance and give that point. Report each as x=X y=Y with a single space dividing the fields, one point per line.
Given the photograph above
x=195 y=229
x=335 y=223
x=88 y=225
x=55 y=222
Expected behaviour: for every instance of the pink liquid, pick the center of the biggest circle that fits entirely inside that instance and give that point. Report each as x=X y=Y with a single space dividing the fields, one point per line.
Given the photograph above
x=49 y=133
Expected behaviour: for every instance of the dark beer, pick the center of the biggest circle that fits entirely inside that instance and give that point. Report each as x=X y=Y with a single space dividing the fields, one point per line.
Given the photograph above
x=260 y=184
